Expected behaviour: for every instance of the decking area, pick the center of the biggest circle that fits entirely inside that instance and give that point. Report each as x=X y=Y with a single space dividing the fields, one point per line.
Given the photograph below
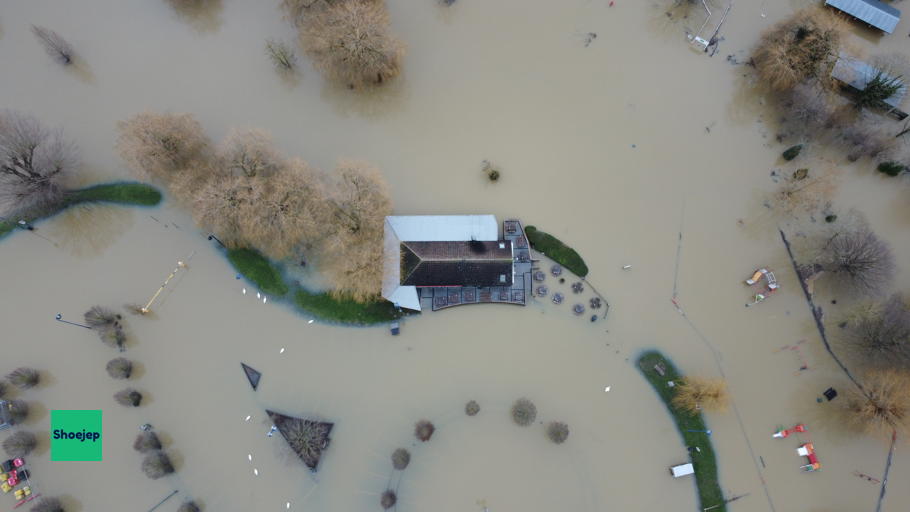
x=442 y=297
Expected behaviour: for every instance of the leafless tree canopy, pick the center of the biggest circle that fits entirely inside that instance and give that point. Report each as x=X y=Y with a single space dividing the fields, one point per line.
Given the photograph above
x=54 y=45
x=884 y=406
x=798 y=48
x=349 y=40
x=250 y=153
x=34 y=164
x=160 y=146
x=307 y=438
x=880 y=336
x=858 y=260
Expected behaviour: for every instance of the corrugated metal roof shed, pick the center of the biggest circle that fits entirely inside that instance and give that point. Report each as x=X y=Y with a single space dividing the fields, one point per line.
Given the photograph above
x=858 y=74
x=880 y=15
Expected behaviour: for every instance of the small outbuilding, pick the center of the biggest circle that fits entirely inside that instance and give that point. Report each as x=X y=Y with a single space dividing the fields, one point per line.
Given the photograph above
x=877 y=14
x=856 y=74
x=6 y=420
x=682 y=470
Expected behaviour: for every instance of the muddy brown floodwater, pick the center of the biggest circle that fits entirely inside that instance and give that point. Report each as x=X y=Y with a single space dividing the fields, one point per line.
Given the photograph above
x=614 y=147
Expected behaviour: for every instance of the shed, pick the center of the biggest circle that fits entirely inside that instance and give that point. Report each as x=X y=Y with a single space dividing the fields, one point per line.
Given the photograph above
x=857 y=74
x=877 y=14
x=6 y=420
x=682 y=470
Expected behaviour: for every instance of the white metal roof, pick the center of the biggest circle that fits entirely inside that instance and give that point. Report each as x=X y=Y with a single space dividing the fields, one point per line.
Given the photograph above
x=858 y=74
x=880 y=15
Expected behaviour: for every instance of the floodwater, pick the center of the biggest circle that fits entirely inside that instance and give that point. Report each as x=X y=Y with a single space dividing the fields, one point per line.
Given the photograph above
x=616 y=147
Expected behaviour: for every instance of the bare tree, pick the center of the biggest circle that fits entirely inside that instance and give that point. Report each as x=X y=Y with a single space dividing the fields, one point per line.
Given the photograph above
x=807 y=108
x=883 y=406
x=161 y=146
x=857 y=259
x=881 y=335
x=285 y=211
x=352 y=255
x=48 y=504
x=54 y=45
x=349 y=41
x=250 y=153
x=34 y=164
x=800 y=47
x=220 y=204
x=866 y=136
x=20 y=444
x=157 y=464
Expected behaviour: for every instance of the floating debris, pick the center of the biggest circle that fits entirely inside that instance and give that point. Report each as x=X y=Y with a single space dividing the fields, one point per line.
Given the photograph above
x=557 y=298
x=593 y=318
x=607 y=389
x=252 y=375
x=542 y=291
x=555 y=270
x=255 y=471
x=589 y=38
x=577 y=287
x=578 y=309
x=281 y=351
x=539 y=276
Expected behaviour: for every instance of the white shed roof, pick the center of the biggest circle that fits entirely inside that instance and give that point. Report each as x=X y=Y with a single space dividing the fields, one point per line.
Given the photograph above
x=880 y=15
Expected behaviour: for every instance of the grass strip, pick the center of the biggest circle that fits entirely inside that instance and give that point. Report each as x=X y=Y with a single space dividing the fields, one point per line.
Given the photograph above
x=704 y=462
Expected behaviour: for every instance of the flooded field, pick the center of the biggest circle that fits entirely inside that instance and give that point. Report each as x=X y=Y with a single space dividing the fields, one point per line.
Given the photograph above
x=630 y=146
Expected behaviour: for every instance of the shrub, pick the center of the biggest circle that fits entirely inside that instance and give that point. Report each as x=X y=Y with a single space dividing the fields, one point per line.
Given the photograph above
x=792 y=152
x=857 y=260
x=20 y=444
x=559 y=252
x=48 y=505
x=18 y=411
x=694 y=394
x=401 y=458
x=388 y=499
x=472 y=408
x=524 y=412
x=558 y=432
x=491 y=172
x=24 y=378
x=189 y=506
x=307 y=438
x=262 y=272
x=54 y=45
x=877 y=90
x=163 y=146
x=119 y=368
x=884 y=404
x=107 y=324
x=146 y=441
x=423 y=430
x=349 y=41
x=156 y=465
x=891 y=168
x=128 y=397
x=800 y=47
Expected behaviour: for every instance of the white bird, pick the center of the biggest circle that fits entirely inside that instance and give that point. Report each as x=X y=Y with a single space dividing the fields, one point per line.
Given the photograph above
x=310 y=322
x=287 y=505
x=255 y=471
x=265 y=299
x=243 y=291
x=250 y=457
x=607 y=389
x=258 y=296
x=248 y=418
x=281 y=351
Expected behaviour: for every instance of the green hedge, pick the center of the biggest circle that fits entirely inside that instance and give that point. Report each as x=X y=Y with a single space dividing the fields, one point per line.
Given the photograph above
x=704 y=462
x=258 y=269
x=557 y=251
x=268 y=277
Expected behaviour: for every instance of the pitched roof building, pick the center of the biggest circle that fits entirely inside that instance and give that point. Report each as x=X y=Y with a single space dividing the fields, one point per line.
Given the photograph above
x=878 y=14
x=857 y=74
x=442 y=251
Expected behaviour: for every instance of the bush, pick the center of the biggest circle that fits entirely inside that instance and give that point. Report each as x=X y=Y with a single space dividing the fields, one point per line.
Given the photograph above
x=54 y=45
x=349 y=41
x=883 y=405
x=472 y=408
x=307 y=438
x=128 y=397
x=189 y=506
x=146 y=441
x=24 y=378
x=556 y=250
x=423 y=430
x=524 y=412
x=792 y=152
x=156 y=465
x=891 y=168
x=48 y=505
x=694 y=394
x=388 y=499
x=558 y=432
x=119 y=368
x=401 y=458
x=18 y=411
x=20 y=444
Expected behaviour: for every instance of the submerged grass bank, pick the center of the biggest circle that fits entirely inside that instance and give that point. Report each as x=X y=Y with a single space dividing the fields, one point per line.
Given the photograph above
x=704 y=462
x=269 y=278
x=557 y=251
x=124 y=193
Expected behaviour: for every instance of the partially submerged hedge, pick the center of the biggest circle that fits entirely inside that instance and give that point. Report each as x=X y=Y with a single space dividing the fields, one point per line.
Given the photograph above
x=557 y=251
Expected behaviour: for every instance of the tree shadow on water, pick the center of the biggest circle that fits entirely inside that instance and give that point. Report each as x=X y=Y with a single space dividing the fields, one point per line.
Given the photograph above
x=374 y=101
x=87 y=230
x=202 y=15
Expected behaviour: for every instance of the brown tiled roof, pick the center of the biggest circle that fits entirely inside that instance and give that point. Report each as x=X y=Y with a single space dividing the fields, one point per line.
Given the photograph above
x=469 y=263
